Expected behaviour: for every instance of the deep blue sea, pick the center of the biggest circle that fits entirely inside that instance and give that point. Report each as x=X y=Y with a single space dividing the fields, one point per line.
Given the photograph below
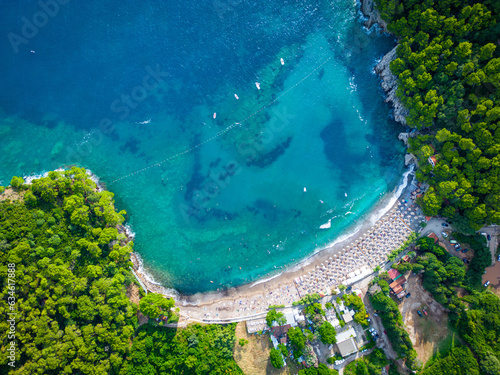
x=229 y=130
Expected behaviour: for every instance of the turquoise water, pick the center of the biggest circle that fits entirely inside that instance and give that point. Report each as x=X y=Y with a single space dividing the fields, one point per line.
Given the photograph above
x=130 y=91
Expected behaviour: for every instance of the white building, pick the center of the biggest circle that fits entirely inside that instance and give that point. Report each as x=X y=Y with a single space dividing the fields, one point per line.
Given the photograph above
x=346 y=342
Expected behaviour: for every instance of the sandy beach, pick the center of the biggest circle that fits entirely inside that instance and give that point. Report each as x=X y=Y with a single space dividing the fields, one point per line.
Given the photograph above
x=350 y=259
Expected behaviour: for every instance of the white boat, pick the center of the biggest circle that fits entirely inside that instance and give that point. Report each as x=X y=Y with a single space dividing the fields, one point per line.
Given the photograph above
x=282 y=61
x=215 y=115
x=305 y=190
x=345 y=194
x=258 y=85
x=236 y=96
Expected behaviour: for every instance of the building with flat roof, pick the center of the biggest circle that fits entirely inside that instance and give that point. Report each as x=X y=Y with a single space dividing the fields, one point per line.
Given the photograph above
x=346 y=342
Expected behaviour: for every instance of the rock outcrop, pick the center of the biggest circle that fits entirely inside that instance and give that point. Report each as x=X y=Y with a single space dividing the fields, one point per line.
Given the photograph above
x=390 y=86
x=368 y=9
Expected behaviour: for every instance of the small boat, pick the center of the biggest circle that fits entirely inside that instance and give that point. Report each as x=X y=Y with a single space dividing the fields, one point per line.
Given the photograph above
x=215 y=115
x=282 y=61
x=258 y=85
x=305 y=190
x=345 y=194
x=236 y=96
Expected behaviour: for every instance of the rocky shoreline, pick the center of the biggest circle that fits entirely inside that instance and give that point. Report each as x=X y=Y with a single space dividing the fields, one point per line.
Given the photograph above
x=389 y=81
x=368 y=9
x=390 y=86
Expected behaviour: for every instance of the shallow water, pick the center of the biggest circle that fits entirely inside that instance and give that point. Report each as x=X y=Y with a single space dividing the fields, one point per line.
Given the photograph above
x=130 y=91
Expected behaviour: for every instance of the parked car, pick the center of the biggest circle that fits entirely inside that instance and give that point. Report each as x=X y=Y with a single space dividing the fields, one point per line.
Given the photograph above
x=425 y=312
x=376 y=337
x=444 y=224
x=385 y=332
x=375 y=314
x=368 y=320
x=408 y=295
x=489 y=237
x=498 y=260
x=457 y=245
x=419 y=313
x=486 y=283
x=364 y=350
x=465 y=250
x=458 y=248
x=444 y=234
x=465 y=260
x=453 y=241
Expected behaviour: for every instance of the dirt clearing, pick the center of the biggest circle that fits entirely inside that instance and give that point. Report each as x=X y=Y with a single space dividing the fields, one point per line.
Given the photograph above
x=429 y=333
x=253 y=358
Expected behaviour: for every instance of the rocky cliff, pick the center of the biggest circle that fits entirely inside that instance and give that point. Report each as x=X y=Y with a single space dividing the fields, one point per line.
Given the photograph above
x=390 y=86
x=389 y=80
x=368 y=9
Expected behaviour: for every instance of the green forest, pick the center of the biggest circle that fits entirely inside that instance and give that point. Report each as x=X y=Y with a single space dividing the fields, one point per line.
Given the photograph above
x=448 y=68
x=64 y=305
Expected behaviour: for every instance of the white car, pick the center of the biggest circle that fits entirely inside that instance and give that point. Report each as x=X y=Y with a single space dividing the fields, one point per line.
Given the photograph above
x=486 y=283
x=444 y=234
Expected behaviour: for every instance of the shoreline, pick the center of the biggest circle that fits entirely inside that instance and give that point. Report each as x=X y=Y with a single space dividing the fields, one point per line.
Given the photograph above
x=259 y=293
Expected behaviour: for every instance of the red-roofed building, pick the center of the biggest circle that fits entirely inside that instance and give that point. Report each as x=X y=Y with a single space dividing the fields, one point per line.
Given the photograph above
x=393 y=273
x=398 y=289
x=433 y=236
x=432 y=160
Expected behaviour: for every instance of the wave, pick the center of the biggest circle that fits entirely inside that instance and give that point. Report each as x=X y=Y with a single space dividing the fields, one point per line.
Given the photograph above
x=265 y=280
x=397 y=193
x=129 y=231
x=28 y=179
x=374 y=216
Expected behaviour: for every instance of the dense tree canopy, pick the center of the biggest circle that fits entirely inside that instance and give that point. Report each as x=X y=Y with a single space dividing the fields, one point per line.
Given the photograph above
x=448 y=67
x=154 y=305
x=327 y=333
x=393 y=324
x=68 y=272
x=193 y=350
x=73 y=315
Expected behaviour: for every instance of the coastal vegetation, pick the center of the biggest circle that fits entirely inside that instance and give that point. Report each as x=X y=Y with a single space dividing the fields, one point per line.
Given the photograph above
x=66 y=282
x=448 y=68
x=193 y=350
x=327 y=333
x=474 y=315
x=371 y=364
x=276 y=358
x=355 y=302
x=70 y=268
x=393 y=323
x=275 y=317
x=394 y=254
x=322 y=369
x=307 y=299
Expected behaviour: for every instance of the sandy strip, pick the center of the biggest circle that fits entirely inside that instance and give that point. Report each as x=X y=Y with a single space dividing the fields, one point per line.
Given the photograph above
x=389 y=223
